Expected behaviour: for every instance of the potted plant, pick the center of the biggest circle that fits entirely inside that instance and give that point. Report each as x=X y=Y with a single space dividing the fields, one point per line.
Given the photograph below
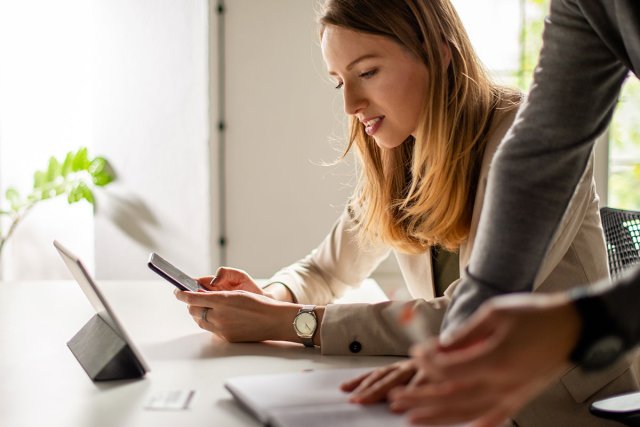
x=75 y=177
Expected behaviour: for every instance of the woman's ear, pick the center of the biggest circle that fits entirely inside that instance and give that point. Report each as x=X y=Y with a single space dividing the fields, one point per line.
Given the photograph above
x=445 y=51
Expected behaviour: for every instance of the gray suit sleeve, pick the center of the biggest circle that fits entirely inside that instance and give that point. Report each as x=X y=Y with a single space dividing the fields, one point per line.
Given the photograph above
x=535 y=171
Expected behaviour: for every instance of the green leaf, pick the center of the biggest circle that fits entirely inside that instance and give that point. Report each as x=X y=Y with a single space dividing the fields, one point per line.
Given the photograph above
x=66 y=165
x=39 y=179
x=80 y=191
x=54 y=170
x=87 y=194
x=97 y=165
x=46 y=194
x=80 y=160
x=13 y=197
x=74 y=194
x=12 y=194
x=69 y=177
x=101 y=172
x=36 y=195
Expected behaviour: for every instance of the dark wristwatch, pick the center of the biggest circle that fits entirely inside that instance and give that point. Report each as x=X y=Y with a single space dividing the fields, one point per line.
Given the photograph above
x=600 y=342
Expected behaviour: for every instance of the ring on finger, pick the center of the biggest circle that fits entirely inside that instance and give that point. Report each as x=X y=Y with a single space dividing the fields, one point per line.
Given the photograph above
x=204 y=313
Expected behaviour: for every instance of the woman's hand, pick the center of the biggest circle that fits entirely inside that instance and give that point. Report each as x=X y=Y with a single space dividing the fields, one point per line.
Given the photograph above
x=241 y=315
x=232 y=279
x=374 y=386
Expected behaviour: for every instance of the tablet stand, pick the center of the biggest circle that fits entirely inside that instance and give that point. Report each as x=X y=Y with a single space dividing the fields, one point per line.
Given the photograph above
x=103 y=354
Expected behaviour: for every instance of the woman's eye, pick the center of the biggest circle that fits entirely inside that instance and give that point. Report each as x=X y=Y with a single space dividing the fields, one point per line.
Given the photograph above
x=339 y=85
x=368 y=74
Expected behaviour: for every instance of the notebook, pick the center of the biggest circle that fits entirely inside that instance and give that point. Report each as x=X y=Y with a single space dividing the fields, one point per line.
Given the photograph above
x=310 y=399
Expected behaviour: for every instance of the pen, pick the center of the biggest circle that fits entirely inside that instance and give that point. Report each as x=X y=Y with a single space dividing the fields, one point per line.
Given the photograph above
x=413 y=324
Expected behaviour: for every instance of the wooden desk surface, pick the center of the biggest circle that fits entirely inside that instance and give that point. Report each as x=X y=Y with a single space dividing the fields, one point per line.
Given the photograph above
x=41 y=383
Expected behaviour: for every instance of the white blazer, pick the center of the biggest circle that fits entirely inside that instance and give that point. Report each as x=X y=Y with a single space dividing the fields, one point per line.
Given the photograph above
x=577 y=256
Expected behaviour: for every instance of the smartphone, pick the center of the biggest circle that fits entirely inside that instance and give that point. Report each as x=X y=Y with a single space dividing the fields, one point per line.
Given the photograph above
x=170 y=273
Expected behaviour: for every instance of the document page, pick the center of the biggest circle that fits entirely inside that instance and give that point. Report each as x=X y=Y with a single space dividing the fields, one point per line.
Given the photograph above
x=340 y=414
x=263 y=393
x=309 y=398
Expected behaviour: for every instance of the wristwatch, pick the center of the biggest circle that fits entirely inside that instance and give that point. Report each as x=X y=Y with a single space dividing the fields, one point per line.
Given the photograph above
x=599 y=343
x=305 y=324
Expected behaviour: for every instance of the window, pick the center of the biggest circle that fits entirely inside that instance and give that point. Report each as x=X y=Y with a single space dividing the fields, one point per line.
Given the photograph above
x=507 y=35
x=624 y=149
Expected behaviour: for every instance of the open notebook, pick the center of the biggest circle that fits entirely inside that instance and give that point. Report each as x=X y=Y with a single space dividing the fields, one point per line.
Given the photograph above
x=309 y=398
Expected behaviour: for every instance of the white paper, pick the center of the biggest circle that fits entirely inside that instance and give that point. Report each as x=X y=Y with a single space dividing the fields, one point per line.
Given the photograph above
x=310 y=399
x=342 y=414
x=170 y=400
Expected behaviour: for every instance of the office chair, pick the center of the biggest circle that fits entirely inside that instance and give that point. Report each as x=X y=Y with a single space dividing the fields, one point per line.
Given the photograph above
x=622 y=235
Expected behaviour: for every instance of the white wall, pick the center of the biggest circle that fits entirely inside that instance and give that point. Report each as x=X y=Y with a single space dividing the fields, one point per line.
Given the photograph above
x=150 y=118
x=285 y=120
x=282 y=113
x=147 y=110
x=45 y=91
x=129 y=79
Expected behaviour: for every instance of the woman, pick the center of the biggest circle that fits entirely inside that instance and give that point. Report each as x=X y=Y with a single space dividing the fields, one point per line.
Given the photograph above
x=425 y=121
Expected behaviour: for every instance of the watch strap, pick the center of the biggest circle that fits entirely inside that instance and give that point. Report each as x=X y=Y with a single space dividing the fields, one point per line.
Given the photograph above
x=599 y=343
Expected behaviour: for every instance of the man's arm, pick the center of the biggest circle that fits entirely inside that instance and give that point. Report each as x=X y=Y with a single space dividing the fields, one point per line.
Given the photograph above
x=507 y=353
x=511 y=349
x=536 y=169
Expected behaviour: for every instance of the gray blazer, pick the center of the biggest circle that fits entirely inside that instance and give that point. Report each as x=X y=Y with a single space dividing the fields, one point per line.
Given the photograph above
x=576 y=256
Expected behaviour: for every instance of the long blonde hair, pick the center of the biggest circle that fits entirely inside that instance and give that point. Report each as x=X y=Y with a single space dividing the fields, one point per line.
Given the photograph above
x=421 y=193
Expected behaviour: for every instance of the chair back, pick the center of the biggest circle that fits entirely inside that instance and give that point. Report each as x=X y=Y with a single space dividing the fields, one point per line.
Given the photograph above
x=622 y=234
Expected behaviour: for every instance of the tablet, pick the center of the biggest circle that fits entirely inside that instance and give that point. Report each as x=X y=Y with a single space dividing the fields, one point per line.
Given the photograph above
x=98 y=301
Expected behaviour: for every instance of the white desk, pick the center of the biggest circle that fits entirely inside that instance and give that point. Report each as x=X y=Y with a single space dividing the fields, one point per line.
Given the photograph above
x=41 y=383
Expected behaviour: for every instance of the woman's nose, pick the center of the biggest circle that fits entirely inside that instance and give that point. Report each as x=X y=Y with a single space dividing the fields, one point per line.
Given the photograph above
x=354 y=101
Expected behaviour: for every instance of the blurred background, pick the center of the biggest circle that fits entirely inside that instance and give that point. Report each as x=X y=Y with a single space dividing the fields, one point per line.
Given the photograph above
x=223 y=129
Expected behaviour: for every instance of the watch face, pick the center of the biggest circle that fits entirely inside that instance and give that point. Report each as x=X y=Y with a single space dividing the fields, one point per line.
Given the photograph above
x=305 y=324
x=603 y=352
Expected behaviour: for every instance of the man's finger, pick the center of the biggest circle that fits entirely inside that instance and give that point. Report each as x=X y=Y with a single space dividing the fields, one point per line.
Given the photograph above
x=351 y=384
x=466 y=364
x=450 y=412
x=378 y=391
x=370 y=379
x=435 y=396
x=494 y=418
x=475 y=330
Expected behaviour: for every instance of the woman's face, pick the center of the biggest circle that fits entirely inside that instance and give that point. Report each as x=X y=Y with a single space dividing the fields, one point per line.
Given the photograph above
x=383 y=84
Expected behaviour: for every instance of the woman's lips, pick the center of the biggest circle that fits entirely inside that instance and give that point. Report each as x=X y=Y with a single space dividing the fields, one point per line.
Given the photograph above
x=371 y=126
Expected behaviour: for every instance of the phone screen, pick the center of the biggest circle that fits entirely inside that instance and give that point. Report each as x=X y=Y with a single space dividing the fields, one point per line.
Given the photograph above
x=172 y=274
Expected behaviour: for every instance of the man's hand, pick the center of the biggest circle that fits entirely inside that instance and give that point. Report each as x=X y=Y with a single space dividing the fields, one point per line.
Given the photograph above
x=505 y=355
x=374 y=386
